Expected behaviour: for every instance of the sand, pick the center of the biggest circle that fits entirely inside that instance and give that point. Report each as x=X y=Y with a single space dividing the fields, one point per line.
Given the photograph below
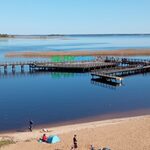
x=132 y=133
x=124 y=52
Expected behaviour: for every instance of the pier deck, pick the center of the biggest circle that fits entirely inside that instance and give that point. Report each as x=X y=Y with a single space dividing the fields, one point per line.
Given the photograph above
x=75 y=66
x=108 y=68
x=117 y=73
x=107 y=76
x=129 y=61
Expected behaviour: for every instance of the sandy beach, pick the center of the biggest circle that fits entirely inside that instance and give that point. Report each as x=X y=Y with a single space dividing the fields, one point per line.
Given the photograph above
x=132 y=133
x=121 y=52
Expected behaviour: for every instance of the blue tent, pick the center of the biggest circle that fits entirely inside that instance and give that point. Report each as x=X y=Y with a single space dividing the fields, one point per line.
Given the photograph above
x=53 y=139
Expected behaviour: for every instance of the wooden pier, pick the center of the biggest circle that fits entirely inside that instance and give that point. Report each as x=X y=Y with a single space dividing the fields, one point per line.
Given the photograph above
x=13 y=65
x=82 y=66
x=108 y=68
x=117 y=73
x=128 y=60
x=105 y=83
x=106 y=76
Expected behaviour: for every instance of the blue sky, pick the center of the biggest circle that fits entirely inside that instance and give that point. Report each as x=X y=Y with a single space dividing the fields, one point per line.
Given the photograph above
x=74 y=16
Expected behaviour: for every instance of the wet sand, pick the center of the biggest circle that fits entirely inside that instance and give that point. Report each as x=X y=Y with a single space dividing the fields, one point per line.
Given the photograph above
x=132 y=133
x=123 y=52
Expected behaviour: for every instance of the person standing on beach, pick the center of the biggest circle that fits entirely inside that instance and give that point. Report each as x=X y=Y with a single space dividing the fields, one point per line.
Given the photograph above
x=30 y=125
x=75 y=142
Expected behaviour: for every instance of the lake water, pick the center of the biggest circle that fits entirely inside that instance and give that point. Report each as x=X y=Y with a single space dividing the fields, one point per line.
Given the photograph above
x=54 y=97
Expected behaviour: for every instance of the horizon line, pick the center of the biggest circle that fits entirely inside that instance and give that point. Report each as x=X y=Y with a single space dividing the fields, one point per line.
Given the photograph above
x=57 y=34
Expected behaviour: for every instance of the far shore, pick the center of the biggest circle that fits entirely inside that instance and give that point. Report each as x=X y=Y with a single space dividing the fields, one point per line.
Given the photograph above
x=45 y=54
x=118 y=134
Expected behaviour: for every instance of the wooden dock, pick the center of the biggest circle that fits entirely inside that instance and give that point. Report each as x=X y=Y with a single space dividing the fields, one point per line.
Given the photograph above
x=128 y=60
x=13 y=65
x=83 y=66
x=106 y=76
x=109 y=68
x=105 y=83
x=117 y=73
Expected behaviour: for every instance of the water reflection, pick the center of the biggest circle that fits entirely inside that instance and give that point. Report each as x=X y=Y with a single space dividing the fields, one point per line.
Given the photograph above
x=105 y=83
x=32 y=73
x=59 y=75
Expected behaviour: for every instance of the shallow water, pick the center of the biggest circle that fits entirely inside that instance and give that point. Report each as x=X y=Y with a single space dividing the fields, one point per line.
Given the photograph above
x=75 y=43
x=56 y=97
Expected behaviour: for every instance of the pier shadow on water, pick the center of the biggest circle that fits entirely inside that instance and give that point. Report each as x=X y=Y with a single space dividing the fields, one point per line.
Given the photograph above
x=105 y=83
x=30 y=73
x=60 y=75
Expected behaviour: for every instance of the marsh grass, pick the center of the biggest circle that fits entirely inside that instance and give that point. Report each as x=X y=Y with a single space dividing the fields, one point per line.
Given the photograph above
x=6 y=142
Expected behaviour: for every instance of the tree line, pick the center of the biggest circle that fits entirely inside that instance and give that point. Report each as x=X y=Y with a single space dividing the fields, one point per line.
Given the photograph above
x=5 y=35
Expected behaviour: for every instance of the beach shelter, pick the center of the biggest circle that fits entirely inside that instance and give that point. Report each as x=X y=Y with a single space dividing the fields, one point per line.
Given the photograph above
x=53 y=139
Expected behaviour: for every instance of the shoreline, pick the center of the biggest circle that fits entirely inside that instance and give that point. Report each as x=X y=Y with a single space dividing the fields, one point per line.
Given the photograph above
x=115 y=133
x=108 y=116
x=45 y=54
x=104 y=117
x=72 y=126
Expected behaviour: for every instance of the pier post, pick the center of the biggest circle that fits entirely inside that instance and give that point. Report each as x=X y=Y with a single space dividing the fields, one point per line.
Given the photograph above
x=5 y=69
x=30 y=68
x=13 y=68
x=22 y=68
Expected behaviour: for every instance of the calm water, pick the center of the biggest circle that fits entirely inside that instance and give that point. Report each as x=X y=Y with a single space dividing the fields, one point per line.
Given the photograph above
x=56 y=97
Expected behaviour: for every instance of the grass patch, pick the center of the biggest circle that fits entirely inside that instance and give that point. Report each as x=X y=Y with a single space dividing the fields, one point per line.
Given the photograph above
x=6 y=142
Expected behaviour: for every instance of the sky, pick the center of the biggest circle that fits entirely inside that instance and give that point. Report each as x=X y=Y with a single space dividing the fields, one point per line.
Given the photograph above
x=74 y=16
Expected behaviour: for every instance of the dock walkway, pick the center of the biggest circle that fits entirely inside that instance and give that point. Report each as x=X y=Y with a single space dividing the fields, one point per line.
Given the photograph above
x=75 y=66
x=109 y=68
x=117 y=73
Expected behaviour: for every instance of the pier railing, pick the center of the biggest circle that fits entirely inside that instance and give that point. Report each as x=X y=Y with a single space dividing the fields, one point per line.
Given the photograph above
x=125 y=60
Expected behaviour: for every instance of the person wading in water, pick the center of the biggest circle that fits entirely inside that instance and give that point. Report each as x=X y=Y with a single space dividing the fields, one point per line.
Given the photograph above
x=30 y=125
